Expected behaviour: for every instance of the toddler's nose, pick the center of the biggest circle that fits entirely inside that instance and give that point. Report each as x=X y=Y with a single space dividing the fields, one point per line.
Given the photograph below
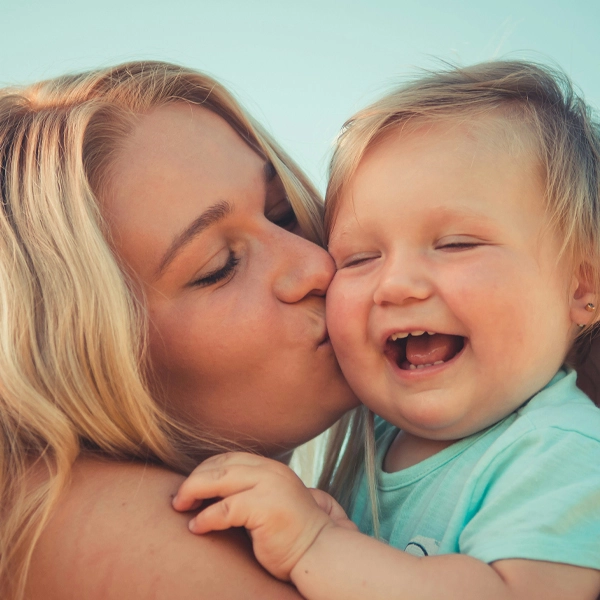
x=402 y=280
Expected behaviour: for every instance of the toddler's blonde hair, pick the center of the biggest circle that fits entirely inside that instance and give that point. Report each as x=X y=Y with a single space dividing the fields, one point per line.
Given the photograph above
x=543 y=104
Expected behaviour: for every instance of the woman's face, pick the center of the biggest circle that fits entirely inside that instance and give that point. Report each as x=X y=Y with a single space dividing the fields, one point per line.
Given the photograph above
x=235 y=294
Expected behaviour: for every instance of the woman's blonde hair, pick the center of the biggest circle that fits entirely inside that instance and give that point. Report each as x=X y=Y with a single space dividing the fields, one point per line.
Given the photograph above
x=541 y=105
x=72 y=333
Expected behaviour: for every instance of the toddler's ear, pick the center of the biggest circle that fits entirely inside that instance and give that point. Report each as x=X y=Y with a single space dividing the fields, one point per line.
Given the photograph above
x=584 y=300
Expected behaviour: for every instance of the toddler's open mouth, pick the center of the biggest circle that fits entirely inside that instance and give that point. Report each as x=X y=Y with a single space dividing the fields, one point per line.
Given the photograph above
x=420 y=349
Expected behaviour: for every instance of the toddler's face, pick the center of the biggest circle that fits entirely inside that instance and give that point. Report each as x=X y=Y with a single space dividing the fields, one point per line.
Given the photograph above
x=442 y=230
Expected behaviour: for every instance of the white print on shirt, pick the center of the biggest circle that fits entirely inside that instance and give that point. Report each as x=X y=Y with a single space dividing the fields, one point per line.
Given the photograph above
x=422 y=546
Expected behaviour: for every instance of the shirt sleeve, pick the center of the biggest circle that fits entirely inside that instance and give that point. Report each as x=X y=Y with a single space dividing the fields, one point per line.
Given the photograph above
x=538 y=499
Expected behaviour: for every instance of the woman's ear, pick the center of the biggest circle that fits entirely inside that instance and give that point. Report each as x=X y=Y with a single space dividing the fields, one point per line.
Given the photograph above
x=584 y=301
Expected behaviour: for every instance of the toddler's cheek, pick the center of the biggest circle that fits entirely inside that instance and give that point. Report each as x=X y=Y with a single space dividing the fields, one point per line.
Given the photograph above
x=344 y=322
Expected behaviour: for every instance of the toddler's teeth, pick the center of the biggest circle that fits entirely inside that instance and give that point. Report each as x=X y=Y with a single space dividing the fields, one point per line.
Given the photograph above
x=417 y=332
x=398 y=336
x=412 y=367
x=438 y=362
x=421 y=366
x=431 y=333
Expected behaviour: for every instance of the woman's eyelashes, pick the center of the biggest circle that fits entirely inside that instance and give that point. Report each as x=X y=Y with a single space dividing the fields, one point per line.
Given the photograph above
x=223 y=274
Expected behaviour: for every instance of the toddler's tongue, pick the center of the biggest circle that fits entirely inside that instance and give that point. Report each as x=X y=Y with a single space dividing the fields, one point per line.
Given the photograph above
x=427 y=349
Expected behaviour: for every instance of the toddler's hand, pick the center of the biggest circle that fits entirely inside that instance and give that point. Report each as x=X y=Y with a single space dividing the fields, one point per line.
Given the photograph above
x=266 y=497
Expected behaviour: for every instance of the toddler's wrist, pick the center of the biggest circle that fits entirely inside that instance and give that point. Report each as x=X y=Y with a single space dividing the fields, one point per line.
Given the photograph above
x=309 y=557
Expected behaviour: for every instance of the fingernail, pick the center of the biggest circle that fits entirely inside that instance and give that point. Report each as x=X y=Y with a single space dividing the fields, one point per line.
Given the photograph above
x=192 y=525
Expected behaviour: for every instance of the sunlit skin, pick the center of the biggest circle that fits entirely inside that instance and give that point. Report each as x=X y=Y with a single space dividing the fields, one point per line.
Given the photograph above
x=443 y=229
x=238 y=340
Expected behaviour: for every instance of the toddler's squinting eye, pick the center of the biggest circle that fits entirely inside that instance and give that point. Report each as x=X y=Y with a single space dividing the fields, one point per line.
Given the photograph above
x=356 y=260
x=458 y=245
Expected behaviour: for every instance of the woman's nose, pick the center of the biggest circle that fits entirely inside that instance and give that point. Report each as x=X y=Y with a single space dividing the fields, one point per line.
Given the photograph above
x=401 y=281
x=304 y=269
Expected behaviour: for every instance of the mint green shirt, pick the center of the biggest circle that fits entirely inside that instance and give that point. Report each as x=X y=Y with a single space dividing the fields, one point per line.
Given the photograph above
x=527 y=487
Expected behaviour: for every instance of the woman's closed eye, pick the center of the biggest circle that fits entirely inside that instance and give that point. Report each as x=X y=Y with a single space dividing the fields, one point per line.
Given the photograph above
x=222 y=274
x=283 y=216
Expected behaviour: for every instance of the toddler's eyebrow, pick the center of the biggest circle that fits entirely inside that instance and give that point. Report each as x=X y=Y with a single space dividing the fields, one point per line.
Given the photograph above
x=338 y=235
x=458 y=212
x=440 y=214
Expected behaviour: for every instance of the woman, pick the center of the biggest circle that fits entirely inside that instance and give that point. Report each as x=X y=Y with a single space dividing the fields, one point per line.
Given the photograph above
x=160 y=302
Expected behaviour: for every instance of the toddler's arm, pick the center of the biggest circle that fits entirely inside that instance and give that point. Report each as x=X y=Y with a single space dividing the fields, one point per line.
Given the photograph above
x=303 y=536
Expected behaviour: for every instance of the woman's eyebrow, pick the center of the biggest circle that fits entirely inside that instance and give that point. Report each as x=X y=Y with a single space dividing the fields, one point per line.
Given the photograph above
x=215 y=213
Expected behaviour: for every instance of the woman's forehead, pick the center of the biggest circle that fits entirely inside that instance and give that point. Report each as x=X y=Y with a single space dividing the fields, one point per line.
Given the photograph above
x=178 y=161
x=183 y=137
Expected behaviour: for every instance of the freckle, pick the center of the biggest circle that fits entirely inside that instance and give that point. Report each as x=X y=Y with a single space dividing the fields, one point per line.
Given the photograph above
x=306 y=571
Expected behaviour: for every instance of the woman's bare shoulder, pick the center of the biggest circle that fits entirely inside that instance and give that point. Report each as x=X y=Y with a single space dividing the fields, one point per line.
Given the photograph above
x=115 y=536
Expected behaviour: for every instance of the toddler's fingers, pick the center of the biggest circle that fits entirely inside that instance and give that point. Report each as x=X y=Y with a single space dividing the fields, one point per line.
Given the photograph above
x=227 y=513
x=196 y=504
x=217 y=482
x=237 y=458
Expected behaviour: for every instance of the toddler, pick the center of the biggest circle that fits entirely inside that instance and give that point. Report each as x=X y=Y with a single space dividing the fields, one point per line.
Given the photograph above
x=463 y=215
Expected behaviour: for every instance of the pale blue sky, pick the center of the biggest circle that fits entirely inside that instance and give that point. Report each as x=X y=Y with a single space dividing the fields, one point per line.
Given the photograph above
x=301 y=67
